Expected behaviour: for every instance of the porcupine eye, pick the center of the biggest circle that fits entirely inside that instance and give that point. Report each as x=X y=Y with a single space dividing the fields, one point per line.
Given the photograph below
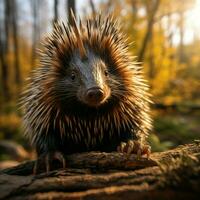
x=106 y=73
x=73 y=76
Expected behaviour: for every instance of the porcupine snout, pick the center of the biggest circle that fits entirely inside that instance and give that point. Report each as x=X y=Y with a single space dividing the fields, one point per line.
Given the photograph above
x=94 y=89
x=94 y=95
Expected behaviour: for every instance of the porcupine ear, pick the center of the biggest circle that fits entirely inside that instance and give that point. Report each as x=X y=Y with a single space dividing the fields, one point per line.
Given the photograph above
x=77 y=33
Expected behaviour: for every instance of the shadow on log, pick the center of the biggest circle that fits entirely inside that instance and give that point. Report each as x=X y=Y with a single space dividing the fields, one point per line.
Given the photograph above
x=174 y=174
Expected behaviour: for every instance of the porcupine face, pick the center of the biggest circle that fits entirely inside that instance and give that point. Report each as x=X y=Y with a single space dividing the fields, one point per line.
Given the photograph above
x=89 y=79
x=89 y=68
x=85 y=61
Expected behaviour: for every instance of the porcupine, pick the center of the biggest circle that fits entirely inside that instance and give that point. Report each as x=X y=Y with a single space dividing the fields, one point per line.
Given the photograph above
x=87 y=94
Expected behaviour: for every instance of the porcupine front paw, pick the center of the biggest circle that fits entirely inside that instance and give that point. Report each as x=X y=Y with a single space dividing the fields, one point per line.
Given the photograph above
x=134 y=147
x=46 y=160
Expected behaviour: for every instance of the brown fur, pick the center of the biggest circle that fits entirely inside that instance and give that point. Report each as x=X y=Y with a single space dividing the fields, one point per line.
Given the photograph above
x=103 y=38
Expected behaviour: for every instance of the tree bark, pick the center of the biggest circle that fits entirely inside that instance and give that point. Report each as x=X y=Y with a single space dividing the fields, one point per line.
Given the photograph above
x=174 y=174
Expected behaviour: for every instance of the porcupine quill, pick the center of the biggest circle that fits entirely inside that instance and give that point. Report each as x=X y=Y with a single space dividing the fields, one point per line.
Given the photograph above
x=88 y=92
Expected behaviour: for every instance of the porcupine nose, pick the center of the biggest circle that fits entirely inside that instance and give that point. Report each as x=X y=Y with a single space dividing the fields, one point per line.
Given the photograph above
x=94 y=94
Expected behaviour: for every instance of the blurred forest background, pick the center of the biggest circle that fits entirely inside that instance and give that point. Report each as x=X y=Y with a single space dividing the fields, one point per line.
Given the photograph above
x=166 y=35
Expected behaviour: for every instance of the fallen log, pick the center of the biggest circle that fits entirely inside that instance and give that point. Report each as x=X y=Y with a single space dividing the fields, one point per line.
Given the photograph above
x=95 y=175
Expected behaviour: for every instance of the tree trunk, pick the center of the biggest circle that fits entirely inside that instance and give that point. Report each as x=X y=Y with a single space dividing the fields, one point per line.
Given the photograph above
x=4 y=72
x=55 y=19
x=147 y=36
x=181 y=45
x=174 y=174
x=35 y=31
x=14 y=14
x=151 y=59
x=92 y=8
x=4 y=43
x=71 y=5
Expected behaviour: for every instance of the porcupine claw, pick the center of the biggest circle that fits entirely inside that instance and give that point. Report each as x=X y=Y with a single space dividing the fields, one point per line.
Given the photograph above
x=46 y=160
x=134 y=147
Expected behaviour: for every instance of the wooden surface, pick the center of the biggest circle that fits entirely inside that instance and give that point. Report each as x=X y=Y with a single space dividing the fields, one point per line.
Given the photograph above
x=173 y=174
